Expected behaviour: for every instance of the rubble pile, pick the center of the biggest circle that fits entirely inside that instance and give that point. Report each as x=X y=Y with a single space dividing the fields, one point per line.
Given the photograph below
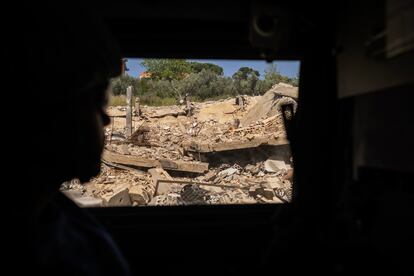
x=231 y=151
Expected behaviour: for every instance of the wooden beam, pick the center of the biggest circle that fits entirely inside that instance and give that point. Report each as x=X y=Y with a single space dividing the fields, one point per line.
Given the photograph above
x=122 y=167
x=174 y=165
x=128 y=126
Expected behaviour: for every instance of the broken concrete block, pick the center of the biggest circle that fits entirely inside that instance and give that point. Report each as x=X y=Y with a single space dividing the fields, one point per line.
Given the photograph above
x=213 y=189
x=159 y=174
x=210 y=176
x=163 y=139
x=228 y=172
x=274 y=182
x=181 y=151
x=249 y=168
x=125 y=149
x=268 y=193
x=175 y=139
x=168 y=112
x=252 y=169
x=266 y=106
x=138 y=195
x=250 y=136
x=274 y=165
x=182 y=127
x=119 y=197
x=109 y=147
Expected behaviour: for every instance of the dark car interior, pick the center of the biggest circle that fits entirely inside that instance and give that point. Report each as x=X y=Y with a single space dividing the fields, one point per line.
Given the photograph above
x=351 y=139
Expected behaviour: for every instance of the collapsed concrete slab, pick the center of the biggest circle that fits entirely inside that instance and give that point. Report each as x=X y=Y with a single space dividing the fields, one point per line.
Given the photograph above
x=228 y=172
x=234 y=145
x=274 y=165
x=175 y=165
x=165 y=113
x=213 y=134
x=270 y=103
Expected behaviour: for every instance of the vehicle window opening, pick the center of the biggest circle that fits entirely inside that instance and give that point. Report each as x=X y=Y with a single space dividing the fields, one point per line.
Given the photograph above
x=187 y=132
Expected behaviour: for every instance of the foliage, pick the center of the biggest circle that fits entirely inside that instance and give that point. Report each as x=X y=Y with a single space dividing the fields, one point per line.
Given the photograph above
x=197 y=67
x=119 y=85
x=172 y=80
x=272 y=77
x=245 y=81
x=153 y=100
x=169 y=69
x=244 y=73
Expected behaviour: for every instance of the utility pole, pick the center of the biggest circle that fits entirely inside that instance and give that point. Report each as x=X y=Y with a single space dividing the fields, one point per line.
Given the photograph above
x=129 y=112
x=128 y=126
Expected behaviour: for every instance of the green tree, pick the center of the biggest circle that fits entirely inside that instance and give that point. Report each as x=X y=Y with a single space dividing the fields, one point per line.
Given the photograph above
x=295 y=81
x=195 y=84
x=141 y=87
x=223 y=87
x=119 y=85
x=197 y=67
x=245 y=80
x=272 y=77
x=203 y=85
x=244 y=72
x=169 y=69
x=160 y=88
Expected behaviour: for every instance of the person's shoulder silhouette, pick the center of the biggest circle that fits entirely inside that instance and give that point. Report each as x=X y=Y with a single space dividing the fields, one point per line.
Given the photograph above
x=61 y=59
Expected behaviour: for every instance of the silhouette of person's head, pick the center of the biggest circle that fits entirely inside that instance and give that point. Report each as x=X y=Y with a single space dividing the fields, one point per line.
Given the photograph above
x=61 y=60
x=65 y=59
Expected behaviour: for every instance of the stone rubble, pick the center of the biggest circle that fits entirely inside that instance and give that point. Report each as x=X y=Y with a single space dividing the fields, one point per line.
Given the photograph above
x=251 y=176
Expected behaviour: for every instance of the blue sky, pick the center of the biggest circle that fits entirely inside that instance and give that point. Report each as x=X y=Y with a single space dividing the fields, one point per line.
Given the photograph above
x=286 y=68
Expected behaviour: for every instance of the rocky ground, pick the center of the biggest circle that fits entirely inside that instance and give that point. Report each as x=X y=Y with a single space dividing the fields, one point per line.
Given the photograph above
x=236 y=147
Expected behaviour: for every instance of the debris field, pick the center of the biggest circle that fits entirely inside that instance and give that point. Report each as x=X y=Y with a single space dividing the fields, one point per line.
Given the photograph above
x=231 y=151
